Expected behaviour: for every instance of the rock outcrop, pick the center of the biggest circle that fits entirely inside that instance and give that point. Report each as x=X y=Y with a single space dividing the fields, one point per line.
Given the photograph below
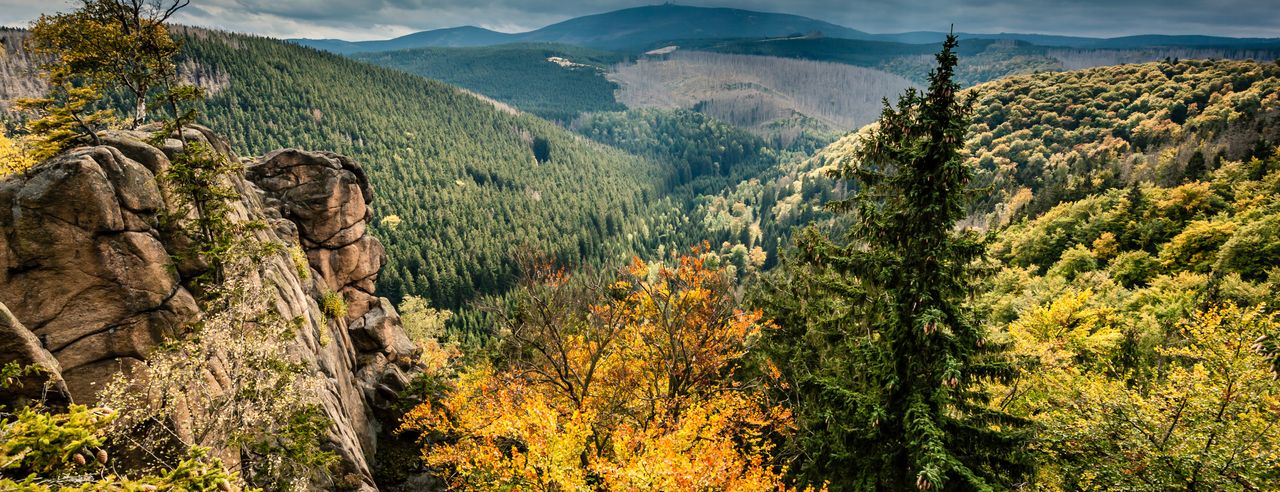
x=91 y=284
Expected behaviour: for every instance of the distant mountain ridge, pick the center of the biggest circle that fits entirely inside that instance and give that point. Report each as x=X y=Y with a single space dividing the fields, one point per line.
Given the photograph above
x=634 y=28
x=617 y=30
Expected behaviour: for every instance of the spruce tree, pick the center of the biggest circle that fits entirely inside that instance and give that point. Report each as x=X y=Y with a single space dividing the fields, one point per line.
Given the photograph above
x=882 y=358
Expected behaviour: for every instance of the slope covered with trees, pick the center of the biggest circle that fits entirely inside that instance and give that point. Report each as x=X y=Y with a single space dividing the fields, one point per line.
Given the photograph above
x=984 y=59
x=1149 y=314
x=1040 y=139
x=556 y=82
x=463 y=205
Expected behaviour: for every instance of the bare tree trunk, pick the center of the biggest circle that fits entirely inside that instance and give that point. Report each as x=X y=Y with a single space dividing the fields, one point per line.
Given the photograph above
x=140 y=111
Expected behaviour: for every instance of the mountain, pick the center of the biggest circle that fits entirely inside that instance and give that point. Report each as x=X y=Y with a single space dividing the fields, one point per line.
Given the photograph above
x=618 y=30
x=645 y=25
x=450 y=37
x=634 y=29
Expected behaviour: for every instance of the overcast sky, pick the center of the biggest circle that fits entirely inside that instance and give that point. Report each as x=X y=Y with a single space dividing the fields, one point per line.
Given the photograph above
x=381 y=19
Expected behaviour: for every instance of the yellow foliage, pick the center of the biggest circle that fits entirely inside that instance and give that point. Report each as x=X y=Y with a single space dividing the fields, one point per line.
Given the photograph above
x=1210 y=420
x=632 y=390
x=14 y=156
x=1105 y=246
x=1066 y=332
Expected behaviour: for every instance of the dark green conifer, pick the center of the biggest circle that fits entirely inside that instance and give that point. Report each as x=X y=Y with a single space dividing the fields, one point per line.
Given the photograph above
x=882 y=357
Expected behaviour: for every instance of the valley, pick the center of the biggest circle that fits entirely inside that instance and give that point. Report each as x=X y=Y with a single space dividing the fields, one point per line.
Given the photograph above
x=659 y=248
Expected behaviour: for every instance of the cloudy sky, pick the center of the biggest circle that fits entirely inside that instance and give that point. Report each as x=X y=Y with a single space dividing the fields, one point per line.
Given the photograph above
x=380 y=19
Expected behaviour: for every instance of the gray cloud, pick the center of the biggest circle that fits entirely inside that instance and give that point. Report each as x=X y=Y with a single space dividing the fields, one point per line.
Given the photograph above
x=379 y=19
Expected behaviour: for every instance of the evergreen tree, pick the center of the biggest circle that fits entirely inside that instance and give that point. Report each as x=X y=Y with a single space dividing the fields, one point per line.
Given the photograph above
x=1196 y=167
x=879 y=352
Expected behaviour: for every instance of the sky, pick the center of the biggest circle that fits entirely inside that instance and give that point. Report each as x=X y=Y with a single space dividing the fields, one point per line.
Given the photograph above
x=382 y=19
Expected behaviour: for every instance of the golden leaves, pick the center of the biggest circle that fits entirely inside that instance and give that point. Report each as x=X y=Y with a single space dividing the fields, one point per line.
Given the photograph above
x=634 y=390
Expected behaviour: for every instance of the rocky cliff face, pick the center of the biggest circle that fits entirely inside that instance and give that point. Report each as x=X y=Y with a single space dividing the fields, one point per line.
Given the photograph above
x=89 y=284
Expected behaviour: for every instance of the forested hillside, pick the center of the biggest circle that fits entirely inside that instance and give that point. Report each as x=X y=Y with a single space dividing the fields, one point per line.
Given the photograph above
x=451 y=210
x=556 y=82
x=1039 y=139
x=1147 y=312
x=464 y=205
x=773 y=97
x=983 y=59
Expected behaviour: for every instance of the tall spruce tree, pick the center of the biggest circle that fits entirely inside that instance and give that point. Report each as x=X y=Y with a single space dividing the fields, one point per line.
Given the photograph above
x=882 y=359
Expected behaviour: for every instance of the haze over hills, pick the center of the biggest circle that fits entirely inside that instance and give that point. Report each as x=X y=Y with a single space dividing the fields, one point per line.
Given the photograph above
x=635 y=28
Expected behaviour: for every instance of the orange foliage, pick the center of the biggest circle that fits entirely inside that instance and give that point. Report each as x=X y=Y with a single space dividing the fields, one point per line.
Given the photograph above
x=622 y=385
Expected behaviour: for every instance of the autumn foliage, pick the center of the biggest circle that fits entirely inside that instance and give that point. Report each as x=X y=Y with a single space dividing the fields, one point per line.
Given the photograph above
x=620 y=384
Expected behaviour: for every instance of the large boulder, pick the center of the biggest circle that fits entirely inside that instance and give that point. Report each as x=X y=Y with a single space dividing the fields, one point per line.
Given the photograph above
x=19 y=346
x=92 y=285
x=83 y=267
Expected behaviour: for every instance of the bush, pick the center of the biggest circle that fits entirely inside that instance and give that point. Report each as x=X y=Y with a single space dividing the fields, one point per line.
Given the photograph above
x=333 y=305
x=1134 y=268
x=1252 y=250
x=1196 y=247
x=1074 y=261
x=299 y=259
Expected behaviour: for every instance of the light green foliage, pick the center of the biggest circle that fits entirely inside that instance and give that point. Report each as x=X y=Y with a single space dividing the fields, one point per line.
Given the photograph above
x=1196 y=247
x=45 y=451
x=40 y=442
x=1134 y=268
x=333 y=305
x=425 y=326
x=11 y=374
x=1165 y=361
x=1074 y=261
x=1254 y=249
x=66 y=117
x=422 y=322
x=390 y=222
x=300 y=262
x=1206 y=422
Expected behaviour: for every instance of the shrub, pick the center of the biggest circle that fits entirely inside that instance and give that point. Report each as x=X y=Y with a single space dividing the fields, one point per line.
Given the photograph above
x=299 y=258
x=1253 y=249
x=1196 y=247
x=333 y=305
x=1134 y=268
x=1074 y=261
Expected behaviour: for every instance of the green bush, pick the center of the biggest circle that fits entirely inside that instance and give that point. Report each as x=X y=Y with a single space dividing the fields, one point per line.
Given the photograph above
x=1196 y=247
x=299 y=259
x=333 y=305
x=1252 y=250
x=1134 y=268
x=1074 y=261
